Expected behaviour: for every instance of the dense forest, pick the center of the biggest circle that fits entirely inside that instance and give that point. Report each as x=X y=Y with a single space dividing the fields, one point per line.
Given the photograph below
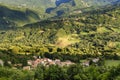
x=74 y=72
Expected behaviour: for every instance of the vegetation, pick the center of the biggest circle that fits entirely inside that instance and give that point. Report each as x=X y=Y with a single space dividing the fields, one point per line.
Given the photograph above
x=12 y=17
x=94 y=33
x=75 y=37
x=43 y=6
x=74 y=72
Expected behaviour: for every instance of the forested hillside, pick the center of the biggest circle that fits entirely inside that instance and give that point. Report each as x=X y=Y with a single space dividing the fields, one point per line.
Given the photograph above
x=59 y=40
x=93 y=32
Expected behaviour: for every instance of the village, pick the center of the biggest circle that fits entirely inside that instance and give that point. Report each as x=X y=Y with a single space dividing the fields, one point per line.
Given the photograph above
x=46 y=62
x=32 y=64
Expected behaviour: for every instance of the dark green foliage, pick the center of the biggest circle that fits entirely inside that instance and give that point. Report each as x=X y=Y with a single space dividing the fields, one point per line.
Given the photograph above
x=40 y=72
x=14 y=58
x=55 y=73
x=14 y=74
x=74 y=72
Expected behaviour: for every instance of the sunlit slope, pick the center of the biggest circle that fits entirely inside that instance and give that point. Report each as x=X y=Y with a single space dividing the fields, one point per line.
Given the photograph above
x=94 y=32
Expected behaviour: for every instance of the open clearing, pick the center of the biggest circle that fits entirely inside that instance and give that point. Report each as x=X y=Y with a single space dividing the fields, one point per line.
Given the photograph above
x=112 y=62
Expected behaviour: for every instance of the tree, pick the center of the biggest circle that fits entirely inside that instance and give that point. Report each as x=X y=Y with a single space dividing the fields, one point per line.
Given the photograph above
x=55 y=72
x=74 y=71
x=39 y=72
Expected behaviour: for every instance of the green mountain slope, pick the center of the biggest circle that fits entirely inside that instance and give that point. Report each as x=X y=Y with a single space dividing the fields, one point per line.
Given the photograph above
x=11 y=17
x=95 y=32
x=42 y=4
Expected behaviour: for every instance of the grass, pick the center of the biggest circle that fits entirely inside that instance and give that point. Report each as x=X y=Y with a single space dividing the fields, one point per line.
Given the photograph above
x=102 y=30
x=67 y=40
x=108 y=62
x=112 y=62
x=116 y=30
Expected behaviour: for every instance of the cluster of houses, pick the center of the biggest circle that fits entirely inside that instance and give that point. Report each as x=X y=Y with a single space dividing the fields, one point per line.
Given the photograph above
x=46 y=62
x=90 y=61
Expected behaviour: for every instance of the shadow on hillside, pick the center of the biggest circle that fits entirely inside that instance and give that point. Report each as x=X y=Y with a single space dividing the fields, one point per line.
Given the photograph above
x=58 y=3
x=8 y=17
x=46 y=24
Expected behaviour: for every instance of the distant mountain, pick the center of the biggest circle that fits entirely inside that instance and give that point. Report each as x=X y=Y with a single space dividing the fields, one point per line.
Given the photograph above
x=30 y=3
x=116 y=2
x=58 y=2
x=65 y=6
x=57 y=7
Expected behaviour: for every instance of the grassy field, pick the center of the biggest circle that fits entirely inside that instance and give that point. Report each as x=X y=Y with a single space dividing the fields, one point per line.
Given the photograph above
x=112 y=62
x=67 y=40
x=108 y=62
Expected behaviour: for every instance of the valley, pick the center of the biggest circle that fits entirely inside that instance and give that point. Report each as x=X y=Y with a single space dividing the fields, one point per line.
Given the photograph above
x=59 y=40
